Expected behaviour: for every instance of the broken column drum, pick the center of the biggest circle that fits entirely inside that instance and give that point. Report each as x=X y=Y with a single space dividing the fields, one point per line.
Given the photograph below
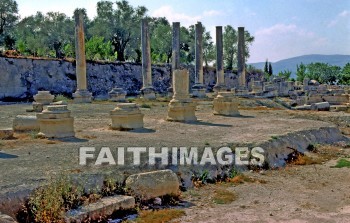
x=44 y=97
x=126 y=116
x=225 y=104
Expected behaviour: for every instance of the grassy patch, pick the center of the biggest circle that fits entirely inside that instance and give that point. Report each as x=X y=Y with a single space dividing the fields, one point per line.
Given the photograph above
x=306 y=160
x=144 y=105
x=33 y=134
x=342 y=163
x=241 y=178
x=61 y=97
x=159 y=216
x=222 y=196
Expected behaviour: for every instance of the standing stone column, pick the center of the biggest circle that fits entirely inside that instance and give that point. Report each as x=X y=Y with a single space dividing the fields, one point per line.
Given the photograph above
x=181 y=108
x=198 y=90
x=147 y=90
x=82 y=95
x=175 y=52
x=241 y=59
x=220 y=81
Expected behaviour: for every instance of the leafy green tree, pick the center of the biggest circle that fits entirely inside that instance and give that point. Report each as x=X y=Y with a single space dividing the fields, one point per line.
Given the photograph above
x=96 y=49
x=45 y=35
x=266 y=67
x=121 y=26
x=323 y=72
x=8 y=19
x=345 y=75
x=230 y=37
x=270 y=70
x=301 y=72
x=285 y=74
x=209 y=53
x=161 y=40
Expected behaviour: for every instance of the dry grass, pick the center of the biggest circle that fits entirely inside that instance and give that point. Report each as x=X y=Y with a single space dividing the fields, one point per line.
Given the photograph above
x=240 y=179
x=159 y=216
x=222 y=196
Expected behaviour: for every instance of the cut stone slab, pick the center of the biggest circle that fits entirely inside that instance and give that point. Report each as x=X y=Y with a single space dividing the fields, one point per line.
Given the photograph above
x=25 y=123
x=303 y=107
x=339 y=108
x=322 y=106
x=126 y=116
x=56 y=122
x=59 y=103
x=104 y=207
x=153 y=184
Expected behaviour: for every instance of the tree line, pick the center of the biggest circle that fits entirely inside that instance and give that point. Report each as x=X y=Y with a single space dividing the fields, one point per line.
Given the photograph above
x=114 y=34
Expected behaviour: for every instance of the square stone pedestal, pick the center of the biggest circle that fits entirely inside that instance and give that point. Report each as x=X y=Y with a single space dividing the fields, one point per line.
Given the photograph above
x=225 y=104
x=148 y=93
x=182 y=111
x=198 y=91
x=44 y=97
x=55 y=122
x=82 y=96
x=117 y=94
x=126 y=116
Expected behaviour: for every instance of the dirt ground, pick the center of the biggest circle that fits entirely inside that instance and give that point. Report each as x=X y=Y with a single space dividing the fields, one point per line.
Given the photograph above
x=314 y=193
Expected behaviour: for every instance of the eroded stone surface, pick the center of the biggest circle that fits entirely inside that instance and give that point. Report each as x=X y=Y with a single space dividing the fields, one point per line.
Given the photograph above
x=56 y=122
x=25 y=123
x=126 y=116
x=44 y=97
x=153 y=184
x=104 y=207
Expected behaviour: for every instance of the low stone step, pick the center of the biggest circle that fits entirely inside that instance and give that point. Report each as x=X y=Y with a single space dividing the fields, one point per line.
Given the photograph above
x=104 y=207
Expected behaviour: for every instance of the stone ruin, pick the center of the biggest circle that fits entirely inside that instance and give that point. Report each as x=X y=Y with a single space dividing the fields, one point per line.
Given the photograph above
x=55 y=121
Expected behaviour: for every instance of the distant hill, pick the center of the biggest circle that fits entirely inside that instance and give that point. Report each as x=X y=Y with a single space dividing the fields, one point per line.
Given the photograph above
x=291 y=63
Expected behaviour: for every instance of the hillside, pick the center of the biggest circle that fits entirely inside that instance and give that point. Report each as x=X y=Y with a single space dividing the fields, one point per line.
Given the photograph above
x=291 y=63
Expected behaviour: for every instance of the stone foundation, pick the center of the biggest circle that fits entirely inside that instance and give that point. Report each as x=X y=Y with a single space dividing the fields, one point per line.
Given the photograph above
x=44 y=97
x=117 y=94
x=126 y=116
x=224 y=104
x=148 y=93
x=55 y=122
x=82 y=96
x=25 y=123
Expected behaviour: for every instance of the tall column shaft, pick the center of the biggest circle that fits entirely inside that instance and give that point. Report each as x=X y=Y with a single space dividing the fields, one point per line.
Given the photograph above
x=176 y=46
x=241 y=57
x=199 y=53
x=146 y=55
x=219 y=57
x=80 y=52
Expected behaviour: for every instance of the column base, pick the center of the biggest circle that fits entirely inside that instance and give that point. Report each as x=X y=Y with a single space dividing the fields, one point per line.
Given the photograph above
x=181 y=111
x=82 y=96
x=117 y=95
x=198 y=91
x=126 y=116
x=148 y=93
x=225 y=105
x=219 y=88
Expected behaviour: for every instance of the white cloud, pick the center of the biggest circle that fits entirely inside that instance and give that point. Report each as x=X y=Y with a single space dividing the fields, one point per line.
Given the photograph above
x=212 y=13
x=168 y=12
x=339 y=18
x=282 y=41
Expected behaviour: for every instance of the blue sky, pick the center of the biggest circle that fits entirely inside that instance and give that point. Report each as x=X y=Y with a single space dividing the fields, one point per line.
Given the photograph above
x=282 y=28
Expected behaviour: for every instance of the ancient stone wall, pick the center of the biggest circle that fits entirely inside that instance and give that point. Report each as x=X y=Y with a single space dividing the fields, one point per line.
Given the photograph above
x=21 y=78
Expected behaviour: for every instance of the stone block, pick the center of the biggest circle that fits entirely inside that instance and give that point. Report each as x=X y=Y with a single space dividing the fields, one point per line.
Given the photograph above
x=117 y=94
x=153 y=184
x=339 y=99
x=126 y=116
x=56 y=122
x=148 y=93
x=25 y=123
x=44 y=97
x=82 y=96
x=339 y=108
x=224 y=104
x=303 y=108
x=322 y=106
x=104 y=207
